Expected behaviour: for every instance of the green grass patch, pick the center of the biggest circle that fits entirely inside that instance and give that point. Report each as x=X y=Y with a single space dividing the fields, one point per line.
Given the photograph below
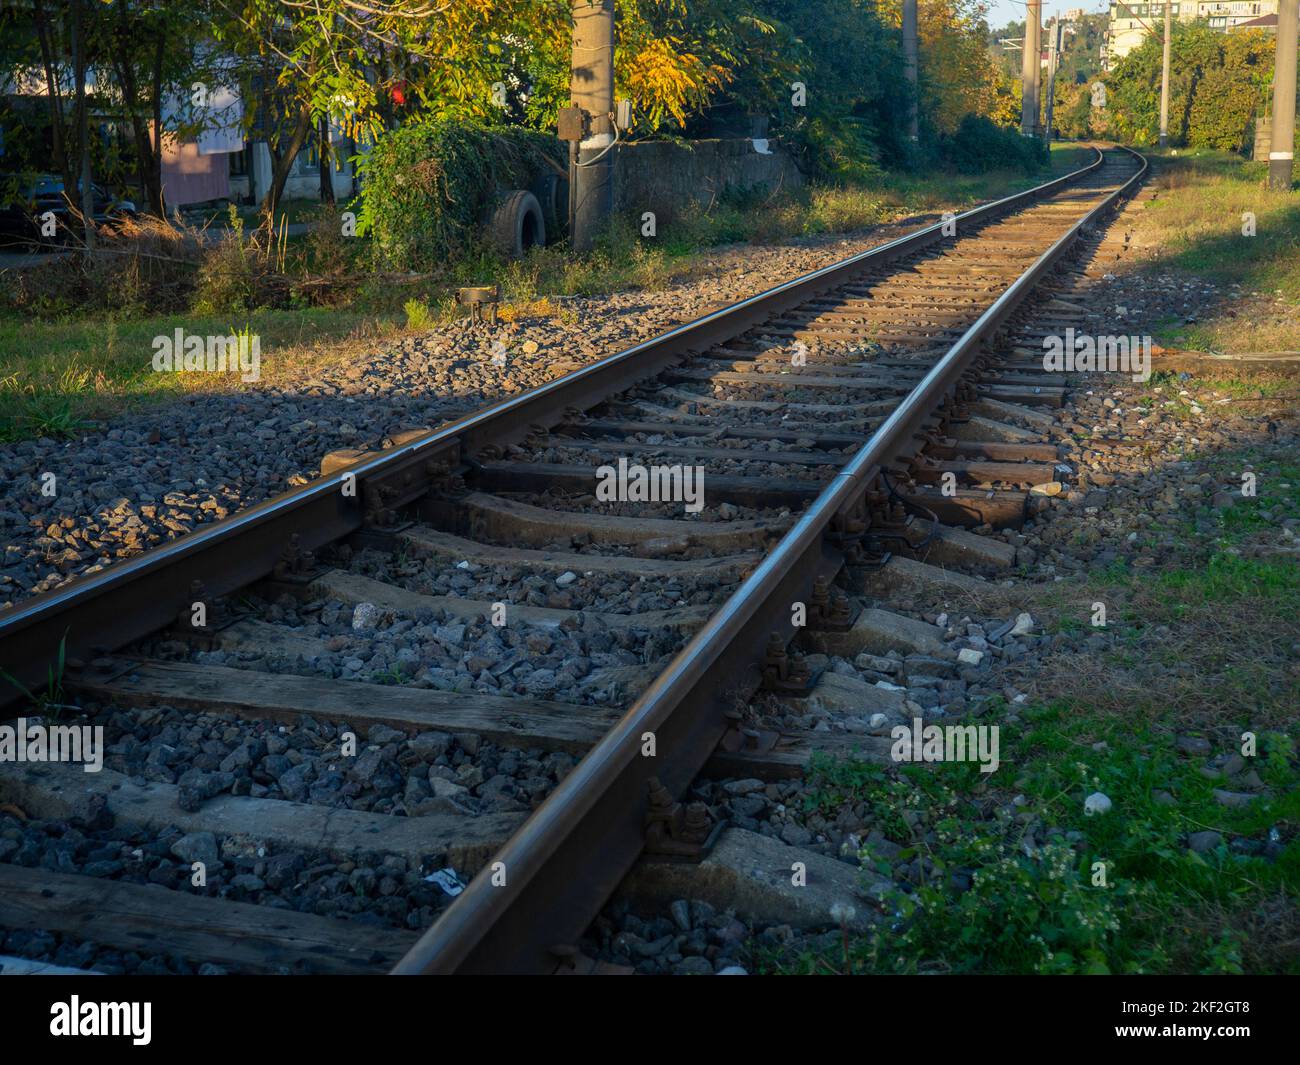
x=58 y=375
x=1007 y=872
x=1215 y=218
x=1018 y=878
x=1244 y=387
x=1191 y=640
x=1226 y=580
x=1198 y=218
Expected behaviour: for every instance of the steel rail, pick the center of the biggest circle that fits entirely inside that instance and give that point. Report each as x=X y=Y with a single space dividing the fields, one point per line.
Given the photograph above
x=569 y=856
x=105 y=611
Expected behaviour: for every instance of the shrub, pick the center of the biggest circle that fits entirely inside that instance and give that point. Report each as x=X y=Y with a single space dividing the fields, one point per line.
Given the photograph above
x=417 y=314
x=1074 y=116
x=1218 y=83
x=227 y=279
x=428 y=185
x=843 y=210
x=1229 y=96
x=144 y=267
x=845 y=148
x=979 y=146
x=328 y=252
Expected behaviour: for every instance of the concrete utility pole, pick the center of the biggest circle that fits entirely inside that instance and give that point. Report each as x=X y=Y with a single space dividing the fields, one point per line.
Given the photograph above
x=912 y=60
x=1053 y=60
x=1164 y=79
x=1282 y=152
x=1030 y=68
x=592 y=89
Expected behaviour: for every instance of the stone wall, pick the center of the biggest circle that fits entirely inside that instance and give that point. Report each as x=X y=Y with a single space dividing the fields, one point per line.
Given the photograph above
x=663 y=176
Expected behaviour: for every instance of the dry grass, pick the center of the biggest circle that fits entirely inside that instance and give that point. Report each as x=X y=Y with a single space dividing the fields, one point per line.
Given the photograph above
x=1195 y=226
x=1263 y=326
x=1185 y=650
x=1268 y=932
x=1187 y=643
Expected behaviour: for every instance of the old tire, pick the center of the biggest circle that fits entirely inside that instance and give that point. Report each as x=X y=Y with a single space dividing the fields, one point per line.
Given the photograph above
x=552 y=193
x=517 y=224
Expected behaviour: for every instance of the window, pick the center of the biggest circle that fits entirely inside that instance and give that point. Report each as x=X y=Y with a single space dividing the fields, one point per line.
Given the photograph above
x=309 y=158
x=308 y=162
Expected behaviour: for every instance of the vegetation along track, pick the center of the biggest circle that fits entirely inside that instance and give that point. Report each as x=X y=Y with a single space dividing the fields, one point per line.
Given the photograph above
x=539 y=673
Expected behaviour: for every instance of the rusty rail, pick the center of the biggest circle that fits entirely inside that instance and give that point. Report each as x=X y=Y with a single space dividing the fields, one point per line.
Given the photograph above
x=98 y=614
x=570 y=855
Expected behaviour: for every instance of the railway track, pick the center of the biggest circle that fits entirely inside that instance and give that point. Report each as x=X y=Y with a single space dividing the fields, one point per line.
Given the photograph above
x=482 y=650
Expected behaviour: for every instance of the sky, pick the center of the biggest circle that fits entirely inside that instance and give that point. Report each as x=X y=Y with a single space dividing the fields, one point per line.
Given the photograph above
x=1003 y=11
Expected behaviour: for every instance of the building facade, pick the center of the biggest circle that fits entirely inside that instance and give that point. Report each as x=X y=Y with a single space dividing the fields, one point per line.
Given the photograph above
x=1131 y=22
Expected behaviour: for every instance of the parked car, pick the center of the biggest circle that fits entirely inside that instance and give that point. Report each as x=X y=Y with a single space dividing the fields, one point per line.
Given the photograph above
x=25 y=199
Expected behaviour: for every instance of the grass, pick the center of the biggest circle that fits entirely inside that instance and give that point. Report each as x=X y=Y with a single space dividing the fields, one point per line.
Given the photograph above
x=1213 y=628
x=1012 y=862
x=1018 y=878
x=1196 y=225
x=47 y=701
x=1011 y=868
x=63 y=369
x=1247 y=383
x=59 y=375
x=1205 y=638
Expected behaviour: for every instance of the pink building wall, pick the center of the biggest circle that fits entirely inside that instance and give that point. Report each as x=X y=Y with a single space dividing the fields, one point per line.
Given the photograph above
x=189 y=177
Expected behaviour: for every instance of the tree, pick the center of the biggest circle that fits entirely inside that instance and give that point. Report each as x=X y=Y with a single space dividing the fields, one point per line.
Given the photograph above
x=38 y=38
x=52 y=42
x=673 y=59
x=1231 y=94
x=156 y=50
x=958 y=75
x=1217 y=84
x=850 y=59
x=1072 y=111
x=140 y=53
x=358 y=62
